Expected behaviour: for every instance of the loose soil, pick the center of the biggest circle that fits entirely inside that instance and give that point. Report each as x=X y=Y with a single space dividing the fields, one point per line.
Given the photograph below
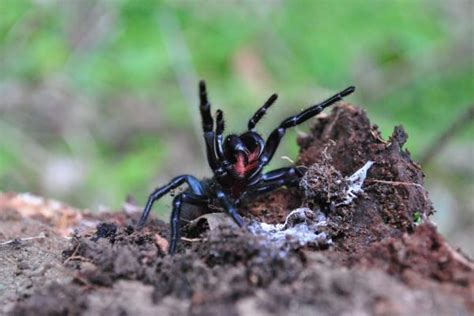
x=386 y=257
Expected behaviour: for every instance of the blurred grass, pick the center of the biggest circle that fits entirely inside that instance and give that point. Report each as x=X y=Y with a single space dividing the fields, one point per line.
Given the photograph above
x=411 y=61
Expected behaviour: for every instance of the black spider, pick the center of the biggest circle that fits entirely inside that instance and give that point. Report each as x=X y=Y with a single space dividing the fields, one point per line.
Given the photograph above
x=236 y=163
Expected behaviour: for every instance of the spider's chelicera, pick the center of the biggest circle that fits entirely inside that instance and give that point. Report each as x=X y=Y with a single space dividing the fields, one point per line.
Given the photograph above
x=236 y=162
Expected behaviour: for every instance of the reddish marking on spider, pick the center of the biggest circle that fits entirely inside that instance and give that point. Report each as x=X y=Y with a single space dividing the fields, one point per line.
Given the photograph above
x=245 y=163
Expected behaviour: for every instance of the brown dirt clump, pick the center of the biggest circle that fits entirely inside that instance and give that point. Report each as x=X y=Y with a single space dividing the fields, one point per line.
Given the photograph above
x=381 y=260
x=394 y=193
x=424 y=253
x=323 y=184
x=422 y=259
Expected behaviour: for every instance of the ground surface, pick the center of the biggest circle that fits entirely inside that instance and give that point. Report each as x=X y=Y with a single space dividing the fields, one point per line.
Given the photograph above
x=382 y=257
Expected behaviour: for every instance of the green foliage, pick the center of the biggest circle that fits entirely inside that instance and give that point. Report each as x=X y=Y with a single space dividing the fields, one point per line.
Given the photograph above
x=417 y=218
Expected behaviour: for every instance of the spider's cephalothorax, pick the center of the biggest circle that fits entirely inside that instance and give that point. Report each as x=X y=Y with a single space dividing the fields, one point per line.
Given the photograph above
x=236 y=162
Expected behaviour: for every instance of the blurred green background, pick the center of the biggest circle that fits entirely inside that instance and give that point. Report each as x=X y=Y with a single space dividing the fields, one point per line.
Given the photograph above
x=98 y=99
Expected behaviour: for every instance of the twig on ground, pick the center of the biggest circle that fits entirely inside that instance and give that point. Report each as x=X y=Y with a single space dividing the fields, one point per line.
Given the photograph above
x=191 y=239
x=399 y=183
x=11 y=241
x=396 y=183
x=78 y=258
x=72 y=255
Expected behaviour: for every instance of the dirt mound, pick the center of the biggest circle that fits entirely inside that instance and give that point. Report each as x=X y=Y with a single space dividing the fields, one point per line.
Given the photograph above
x=30 y=256
x=423 y=259
x=381 y=255
x=394 y=194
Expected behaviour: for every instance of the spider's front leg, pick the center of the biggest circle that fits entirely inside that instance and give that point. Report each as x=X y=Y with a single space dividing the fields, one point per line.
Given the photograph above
x=273 y=141
x=208 y=126
x=219 y=138
x=261 y=112
x=194 y=186
x=178 y=201
x=198 y=200
x=229 y=207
